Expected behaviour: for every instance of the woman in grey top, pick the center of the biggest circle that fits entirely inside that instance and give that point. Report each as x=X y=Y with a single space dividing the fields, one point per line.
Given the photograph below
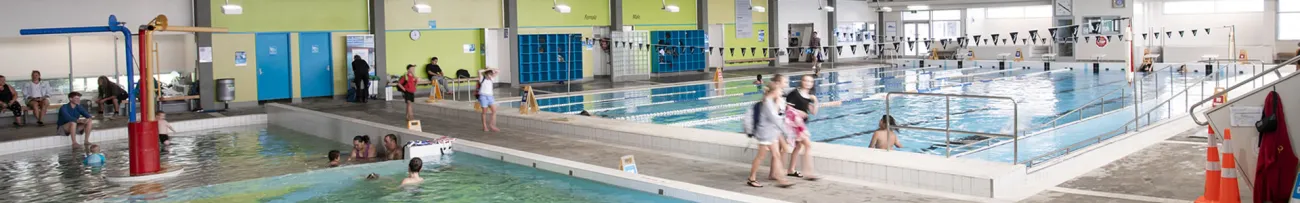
x=767 y=129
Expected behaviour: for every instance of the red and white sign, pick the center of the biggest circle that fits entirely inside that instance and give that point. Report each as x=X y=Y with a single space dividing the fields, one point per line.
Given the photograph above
x=1101 y=41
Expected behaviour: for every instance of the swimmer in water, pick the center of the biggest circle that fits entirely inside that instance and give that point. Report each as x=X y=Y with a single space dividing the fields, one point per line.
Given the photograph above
x=885 y=138
x=413 y=172
x=334 y=158
x=94 y=157
x=361 y=148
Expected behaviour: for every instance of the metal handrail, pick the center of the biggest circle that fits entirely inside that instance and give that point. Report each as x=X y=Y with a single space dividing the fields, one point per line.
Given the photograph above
x=1067 y=149
x=1239 y=84
x=1100 y=99
x=1015 y=128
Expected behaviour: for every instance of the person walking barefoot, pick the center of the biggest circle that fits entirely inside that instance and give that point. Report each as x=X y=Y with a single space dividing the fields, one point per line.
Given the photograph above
x=487 y=101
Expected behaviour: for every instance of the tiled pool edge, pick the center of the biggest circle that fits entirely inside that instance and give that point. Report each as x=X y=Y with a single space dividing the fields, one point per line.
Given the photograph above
x=925 y=172
x=112 y=134
x=341 y=129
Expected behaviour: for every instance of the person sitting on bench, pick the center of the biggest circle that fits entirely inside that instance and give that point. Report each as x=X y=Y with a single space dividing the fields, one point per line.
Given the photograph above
x=110 y=93
x=73 y=119
x=9 y=101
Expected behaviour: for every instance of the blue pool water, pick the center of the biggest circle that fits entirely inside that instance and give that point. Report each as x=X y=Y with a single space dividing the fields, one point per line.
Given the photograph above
x=453 y=178
x=1041 y=97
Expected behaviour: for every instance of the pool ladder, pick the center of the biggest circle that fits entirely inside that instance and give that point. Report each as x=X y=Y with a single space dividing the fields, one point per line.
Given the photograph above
x=947 y=129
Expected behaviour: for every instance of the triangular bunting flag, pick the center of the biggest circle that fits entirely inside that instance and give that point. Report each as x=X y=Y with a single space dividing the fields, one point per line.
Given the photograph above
x=977 y=40
x=1024 y=41
x=1121 y=37
x=1087 y=38
x=1169 y=33
x=1207 y=31
x=1157 y=35
x=853 y=49
x=1193 y=32
x=710 y=49
x=986 y=41
x=1044 y=40
x=1180 y=33
x=733 y=51
x=1052 y=31
x=753 y=50
x=1144 y=36
x=826 y=49
x=1014 y=36
x=839 y=49
x=911 y=45
x=742 y=51
x=944 y=43
x=1033 y=35
x=895 y=46
x=995 y=39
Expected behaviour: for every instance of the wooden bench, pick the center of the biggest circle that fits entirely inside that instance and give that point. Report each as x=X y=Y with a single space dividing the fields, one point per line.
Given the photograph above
x=734 y=61
x=179 y=98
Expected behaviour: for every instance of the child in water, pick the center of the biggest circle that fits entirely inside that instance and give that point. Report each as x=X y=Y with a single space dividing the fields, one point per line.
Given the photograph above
x=94 y=157
x=413 y=172
x=334 y=158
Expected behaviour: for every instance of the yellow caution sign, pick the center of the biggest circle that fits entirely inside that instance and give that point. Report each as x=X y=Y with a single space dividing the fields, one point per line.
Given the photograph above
x=414 y=125
x=1020 y=56
x=1242 y=57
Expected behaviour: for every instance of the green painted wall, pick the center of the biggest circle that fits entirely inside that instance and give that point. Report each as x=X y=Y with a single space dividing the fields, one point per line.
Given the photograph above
x=446 y=13
x=724 y=12
x=538 y=14
x=223 y=63
x=648 y=15
x=293 y=15
x=447 y=45
x=343 y=17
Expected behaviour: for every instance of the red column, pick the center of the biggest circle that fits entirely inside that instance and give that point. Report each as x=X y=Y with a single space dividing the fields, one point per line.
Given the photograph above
x=143 y=134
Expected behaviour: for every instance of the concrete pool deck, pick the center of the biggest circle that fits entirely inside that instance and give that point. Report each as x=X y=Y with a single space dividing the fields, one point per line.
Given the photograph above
x=668 y=165
x=1176 y=164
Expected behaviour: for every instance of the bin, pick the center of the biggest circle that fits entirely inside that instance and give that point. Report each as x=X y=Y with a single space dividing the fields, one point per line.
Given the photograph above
x=226 y=89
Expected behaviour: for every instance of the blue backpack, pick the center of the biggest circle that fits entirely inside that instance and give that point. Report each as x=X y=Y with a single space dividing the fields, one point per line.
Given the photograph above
x=752 y=117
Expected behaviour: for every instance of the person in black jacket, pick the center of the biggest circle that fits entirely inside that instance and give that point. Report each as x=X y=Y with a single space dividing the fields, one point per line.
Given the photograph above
x=361 y=77
x=110 y=93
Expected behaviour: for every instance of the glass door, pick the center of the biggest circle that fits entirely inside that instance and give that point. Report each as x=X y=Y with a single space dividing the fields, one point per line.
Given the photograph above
x=914 y=33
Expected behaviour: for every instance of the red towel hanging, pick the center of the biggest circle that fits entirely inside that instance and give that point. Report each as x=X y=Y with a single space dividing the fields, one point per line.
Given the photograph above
x=1275 y=170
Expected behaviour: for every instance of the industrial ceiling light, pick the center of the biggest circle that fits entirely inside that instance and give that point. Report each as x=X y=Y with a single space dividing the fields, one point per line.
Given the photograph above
x=560 y=7
x=232 y=9
x=886 y=9
x=759 y=9
x=670 y=8
x=421 y=7
x=825 y=7
x=918 y=7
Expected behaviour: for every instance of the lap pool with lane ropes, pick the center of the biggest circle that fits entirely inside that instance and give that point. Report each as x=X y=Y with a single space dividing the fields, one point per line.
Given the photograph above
x=1042 y=97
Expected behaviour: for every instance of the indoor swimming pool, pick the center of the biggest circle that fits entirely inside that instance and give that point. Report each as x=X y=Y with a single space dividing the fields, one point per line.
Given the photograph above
x=1042 y=97
x=209 y=157
x=269 y=164
x=459 y=177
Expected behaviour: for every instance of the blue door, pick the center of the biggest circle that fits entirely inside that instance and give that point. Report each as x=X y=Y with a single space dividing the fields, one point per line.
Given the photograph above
x=317 y=74
x=273 y=81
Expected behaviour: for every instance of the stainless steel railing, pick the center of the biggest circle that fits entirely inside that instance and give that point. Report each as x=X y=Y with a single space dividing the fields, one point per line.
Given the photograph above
x=1101 y=101
x=1130 y=126
x=947 y=130
x=1275 y=68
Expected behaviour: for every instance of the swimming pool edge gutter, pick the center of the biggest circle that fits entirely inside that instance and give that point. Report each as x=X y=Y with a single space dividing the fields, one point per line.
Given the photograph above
x=341 y=129
x=120 y=133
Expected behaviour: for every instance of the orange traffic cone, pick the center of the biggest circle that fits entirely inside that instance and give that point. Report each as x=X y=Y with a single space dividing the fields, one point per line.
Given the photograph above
x=1228 y=192
x=1211 y=174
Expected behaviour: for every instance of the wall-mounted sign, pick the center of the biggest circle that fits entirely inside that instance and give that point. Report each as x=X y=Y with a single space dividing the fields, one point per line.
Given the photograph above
x=241 y=58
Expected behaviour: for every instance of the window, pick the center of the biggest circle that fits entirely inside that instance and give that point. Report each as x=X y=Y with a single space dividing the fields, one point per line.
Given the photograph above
x=946 y=29
x=916 y=15
x=978 y=13
x=1038 y=11
x=947 y=15
x=1006 y=12
x=1288 y=13
x=1109 y=25
x=1189 y=7
x=1238 y=6
x=1288 y=5
x=1288 y=32
x=1213 y=6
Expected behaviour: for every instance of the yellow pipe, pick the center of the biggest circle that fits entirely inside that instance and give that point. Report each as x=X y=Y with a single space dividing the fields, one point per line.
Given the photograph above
x=159 y=23
x=191 y=29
